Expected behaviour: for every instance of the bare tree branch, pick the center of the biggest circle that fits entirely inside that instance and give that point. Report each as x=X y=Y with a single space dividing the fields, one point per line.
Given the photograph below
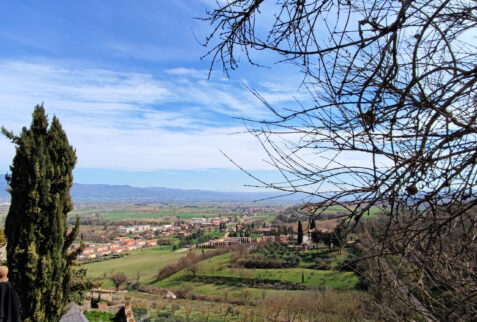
x=392 y=88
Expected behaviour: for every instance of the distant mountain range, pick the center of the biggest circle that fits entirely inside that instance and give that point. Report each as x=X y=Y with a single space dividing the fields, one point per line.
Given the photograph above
x=105 y=192
x=123 y=192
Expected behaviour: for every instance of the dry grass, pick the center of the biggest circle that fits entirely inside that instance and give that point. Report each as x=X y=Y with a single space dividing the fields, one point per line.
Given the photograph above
x=325 y=305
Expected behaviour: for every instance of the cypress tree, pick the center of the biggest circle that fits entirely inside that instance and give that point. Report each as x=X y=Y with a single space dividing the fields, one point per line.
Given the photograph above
x=311 y=226
x=300 y=233
x=35 y=227
x=312 y=223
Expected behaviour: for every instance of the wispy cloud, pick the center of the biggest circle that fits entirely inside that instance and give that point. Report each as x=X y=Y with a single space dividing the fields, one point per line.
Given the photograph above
x=152 y=53
x=188 y=72
x=90 y=85
x=136 y=121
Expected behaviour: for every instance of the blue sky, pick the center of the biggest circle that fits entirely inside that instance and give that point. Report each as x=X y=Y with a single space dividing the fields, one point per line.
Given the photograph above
x=126 y=80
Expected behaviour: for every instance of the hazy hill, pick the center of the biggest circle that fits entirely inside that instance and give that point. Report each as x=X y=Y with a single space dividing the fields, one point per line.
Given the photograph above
x=105 y=192
x=123 y=192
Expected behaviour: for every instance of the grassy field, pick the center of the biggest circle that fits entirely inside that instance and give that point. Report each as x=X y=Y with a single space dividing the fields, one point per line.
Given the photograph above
x=231 y=292
x=187 y=213
x=110 y=212
x=97 y=316
x=373 y=211
x=222 y=284
x=218 y=267
x=341 y=281
x=334 y=256
x=266 y=217
x=125 y=215
x=146 y=261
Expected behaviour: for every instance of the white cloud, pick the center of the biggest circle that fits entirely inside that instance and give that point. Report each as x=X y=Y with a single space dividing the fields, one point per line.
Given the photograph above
x=188 y=72
x=91 y=85
x=152 y=149
x=135 y=121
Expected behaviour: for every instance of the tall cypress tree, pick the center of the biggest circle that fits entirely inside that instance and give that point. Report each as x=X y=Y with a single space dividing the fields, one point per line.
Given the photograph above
x=311 y=226
x=312 y=223
x=300 y=233
x=37 y=237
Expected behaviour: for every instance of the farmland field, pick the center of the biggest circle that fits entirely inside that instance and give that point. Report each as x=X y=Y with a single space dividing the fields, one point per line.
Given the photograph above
x=326 y=306
x=231 y=291
x=146 y=261
x=115 y=212
x=127 y=215
x=268 y=218
x=219 y=276
x=124 y=215
x=373 y=211
x=217 y=267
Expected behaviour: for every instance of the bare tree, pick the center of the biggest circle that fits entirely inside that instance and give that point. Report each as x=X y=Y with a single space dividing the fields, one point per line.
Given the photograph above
x=193 y=268
x=392 y=86
x=118 y=279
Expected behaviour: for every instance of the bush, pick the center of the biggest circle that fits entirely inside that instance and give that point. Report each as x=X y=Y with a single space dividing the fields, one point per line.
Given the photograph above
x=97 y=316
x=185 y=291
x=350 y=263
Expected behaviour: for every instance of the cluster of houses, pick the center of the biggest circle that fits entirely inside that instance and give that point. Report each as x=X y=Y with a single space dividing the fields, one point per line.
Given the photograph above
x=143 y=235
x=229 y=241
x=117 y=246
x=226 y=241
x=207 y=222
x=268 y=236
x=135 y=229
x=168 y=230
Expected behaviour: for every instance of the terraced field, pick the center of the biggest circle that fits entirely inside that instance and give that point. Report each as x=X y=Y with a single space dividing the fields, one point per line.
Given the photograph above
x=218 y=269
x=221 y=285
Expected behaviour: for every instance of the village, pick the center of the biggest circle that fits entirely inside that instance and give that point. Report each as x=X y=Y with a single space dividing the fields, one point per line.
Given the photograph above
x=236 y=235
x=140 y=236
x=232 y=231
